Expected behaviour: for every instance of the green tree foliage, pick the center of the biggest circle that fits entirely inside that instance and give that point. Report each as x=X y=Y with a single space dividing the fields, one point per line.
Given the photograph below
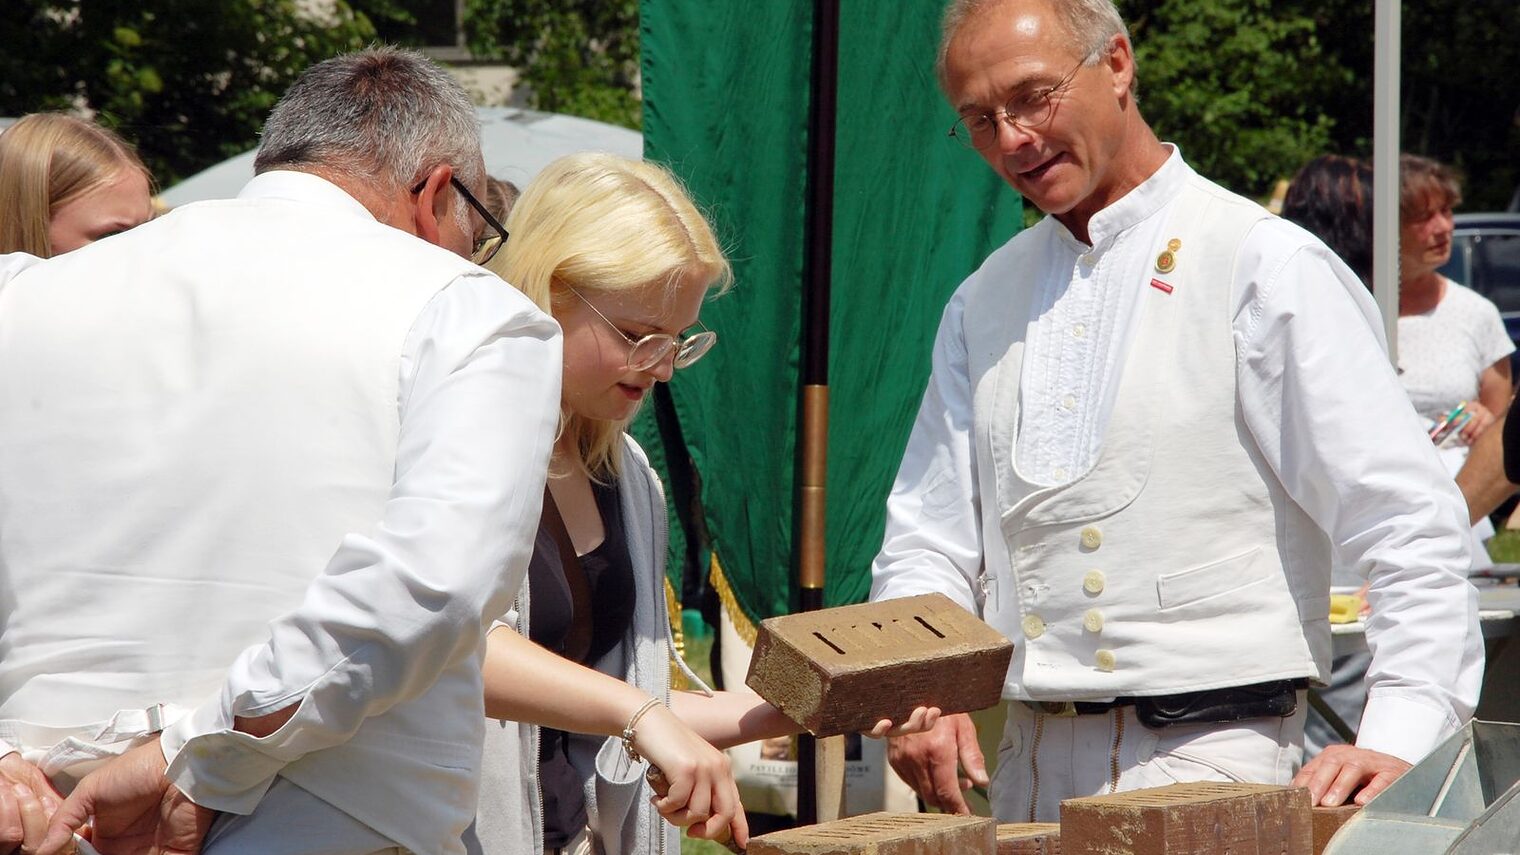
x=1463 y=104
x=1239 y=85
x=189 y=81
x=576 y=56
x=1251 y=89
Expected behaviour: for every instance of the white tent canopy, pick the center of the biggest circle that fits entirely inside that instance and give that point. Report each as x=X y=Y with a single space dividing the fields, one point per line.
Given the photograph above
x=517 y=144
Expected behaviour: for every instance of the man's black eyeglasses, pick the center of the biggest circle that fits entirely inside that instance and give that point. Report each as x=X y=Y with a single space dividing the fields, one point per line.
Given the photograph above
x=486 y=246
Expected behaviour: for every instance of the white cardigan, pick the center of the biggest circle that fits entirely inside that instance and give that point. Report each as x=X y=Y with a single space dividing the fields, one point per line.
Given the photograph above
x=622 y=820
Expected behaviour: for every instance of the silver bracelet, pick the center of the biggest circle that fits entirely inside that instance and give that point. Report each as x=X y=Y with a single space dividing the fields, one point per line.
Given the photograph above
x=628 y=729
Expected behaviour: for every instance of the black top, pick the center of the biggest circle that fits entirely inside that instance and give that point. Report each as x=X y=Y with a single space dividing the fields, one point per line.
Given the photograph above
x=609 y=576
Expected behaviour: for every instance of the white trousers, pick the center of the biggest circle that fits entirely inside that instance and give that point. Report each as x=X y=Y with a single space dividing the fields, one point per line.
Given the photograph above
x=1043 y=760
x=291 y=821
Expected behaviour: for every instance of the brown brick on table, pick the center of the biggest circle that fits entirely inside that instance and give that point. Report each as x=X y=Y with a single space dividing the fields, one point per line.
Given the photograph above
x=841 y=670
x=1327 y=821
x=1029 y=838
x=885 y=834
x=1190 y=819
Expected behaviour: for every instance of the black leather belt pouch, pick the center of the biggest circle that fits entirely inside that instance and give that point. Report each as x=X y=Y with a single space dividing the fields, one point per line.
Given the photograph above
x=1216 y=706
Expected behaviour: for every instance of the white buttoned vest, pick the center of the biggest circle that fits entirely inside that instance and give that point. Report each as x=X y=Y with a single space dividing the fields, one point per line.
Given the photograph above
x=1166 y=567
x=182 y=454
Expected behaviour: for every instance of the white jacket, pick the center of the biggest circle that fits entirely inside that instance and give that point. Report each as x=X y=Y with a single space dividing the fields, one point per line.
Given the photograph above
x=267 y=452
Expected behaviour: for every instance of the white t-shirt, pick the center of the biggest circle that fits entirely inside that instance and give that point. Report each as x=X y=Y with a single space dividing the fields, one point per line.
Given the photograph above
x=1443 y=351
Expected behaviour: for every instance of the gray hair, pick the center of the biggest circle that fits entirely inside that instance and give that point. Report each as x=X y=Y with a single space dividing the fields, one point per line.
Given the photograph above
x=382 y=113
x=1090 y=23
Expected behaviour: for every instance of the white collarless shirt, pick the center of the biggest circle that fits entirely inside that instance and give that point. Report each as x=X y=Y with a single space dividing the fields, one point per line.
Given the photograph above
x=1083 y=311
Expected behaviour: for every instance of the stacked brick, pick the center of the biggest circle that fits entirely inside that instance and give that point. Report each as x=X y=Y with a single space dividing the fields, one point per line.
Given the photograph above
x=1029 y=838
x=1190 y=819
x=885 y=834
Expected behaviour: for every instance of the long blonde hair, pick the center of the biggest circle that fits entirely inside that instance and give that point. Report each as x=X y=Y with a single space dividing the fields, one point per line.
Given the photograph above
x=46 y=161
x=601 y=223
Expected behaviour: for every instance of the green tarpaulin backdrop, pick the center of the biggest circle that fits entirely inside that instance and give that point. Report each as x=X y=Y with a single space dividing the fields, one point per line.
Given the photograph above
x=726 y=96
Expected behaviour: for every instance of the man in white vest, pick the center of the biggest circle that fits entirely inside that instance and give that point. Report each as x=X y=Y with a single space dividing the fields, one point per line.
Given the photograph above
x=269 y=467
x=1153 y=421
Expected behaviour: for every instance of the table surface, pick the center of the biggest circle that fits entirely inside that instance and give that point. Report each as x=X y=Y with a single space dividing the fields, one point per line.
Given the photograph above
x=1497 y=607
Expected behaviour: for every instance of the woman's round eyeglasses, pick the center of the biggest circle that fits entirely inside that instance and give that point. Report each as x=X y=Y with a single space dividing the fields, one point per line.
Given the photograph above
x=648 y=351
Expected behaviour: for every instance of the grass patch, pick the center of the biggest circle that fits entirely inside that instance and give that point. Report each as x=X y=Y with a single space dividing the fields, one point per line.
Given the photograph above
x=1504 y=547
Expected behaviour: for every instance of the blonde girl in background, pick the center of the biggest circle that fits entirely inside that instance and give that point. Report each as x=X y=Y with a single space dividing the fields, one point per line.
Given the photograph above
x=66 y=182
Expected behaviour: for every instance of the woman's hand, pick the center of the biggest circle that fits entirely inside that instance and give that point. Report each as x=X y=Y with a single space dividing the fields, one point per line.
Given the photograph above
x=1482 y=419
x=702 y=796
x=922 y=719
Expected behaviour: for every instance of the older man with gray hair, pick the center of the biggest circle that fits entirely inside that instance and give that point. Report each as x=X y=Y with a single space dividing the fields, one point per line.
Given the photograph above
x=269 y=467
x=1154 y=420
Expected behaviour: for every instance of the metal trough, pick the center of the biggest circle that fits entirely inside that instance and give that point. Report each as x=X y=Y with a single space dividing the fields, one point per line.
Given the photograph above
x=1463 y=799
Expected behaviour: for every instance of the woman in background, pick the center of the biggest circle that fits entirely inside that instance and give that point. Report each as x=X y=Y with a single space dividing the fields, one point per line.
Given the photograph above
x=1332 y=198
x=66 y=182
x=617 y=252
x=1453 y=348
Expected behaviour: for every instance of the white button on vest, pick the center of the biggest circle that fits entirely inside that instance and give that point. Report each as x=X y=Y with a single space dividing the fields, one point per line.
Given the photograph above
x=1069 y=402
x=1034 y=626
x=1089 y=259
x=1092 y=620
x=1093 y=580
x=1079 y=330
x=1092 y=538
x=1105 y=660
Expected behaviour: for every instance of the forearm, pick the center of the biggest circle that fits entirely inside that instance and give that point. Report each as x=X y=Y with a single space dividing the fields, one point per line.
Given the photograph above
x=527 y=683
x=1495 y=388
x=1481 y=479
x=731 y=718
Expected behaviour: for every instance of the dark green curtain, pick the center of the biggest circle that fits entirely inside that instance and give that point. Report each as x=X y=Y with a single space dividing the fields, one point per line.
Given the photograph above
x=726 y=95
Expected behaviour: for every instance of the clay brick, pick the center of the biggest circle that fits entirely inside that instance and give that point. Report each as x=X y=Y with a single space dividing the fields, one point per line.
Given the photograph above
x=1327 y=821
x=1029 y=838
x=885 y=834
x=1190 y=819
x=841 y=670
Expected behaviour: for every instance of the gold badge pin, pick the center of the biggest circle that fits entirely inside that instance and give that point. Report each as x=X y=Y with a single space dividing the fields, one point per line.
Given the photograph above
x=1165 y=262
x=1174 y=244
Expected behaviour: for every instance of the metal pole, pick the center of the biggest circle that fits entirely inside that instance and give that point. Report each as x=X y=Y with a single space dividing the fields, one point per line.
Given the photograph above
x=815 y=354
x=1385 y=168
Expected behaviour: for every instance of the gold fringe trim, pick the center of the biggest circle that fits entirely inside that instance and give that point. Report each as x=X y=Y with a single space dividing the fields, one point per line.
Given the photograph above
x=678 y=680
x=742 y=624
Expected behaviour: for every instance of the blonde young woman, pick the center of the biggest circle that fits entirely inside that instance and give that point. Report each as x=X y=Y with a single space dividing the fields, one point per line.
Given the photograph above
x=66 y=182
x=621 y=257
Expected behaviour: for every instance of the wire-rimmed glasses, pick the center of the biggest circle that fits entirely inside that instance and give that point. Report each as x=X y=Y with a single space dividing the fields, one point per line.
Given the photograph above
x=1027 y=110
x=650 y=350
